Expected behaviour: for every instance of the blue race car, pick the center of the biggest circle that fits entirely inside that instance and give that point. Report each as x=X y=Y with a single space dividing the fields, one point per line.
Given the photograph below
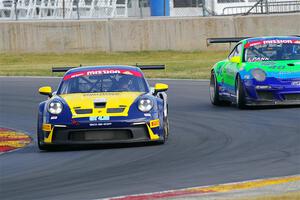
x=103 y=104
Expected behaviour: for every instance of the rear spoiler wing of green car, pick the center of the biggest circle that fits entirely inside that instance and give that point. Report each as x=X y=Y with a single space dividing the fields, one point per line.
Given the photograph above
x=142 y=67
x=224 y=40
x=230 y=40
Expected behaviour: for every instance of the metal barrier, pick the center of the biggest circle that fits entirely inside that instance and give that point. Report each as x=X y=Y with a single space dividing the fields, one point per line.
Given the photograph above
x=264 y=7
x=91 y=9
x=62 y=9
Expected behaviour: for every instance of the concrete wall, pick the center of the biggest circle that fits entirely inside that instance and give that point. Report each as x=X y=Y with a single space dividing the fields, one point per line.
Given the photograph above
x=187 y=34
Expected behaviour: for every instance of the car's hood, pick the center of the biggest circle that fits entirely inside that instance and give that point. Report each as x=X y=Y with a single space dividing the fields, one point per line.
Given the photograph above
x=277 y=69
x=116 y=103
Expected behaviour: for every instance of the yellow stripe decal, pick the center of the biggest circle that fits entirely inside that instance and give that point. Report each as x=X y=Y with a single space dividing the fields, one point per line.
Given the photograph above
x=49 y=138
x=151 y=134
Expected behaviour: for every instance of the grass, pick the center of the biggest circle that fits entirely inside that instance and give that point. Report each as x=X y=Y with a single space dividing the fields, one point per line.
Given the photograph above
x=187 y=65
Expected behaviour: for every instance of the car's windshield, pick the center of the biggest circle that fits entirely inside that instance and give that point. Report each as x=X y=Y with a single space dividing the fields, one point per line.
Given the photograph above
x=272 y=50
x=103 y=81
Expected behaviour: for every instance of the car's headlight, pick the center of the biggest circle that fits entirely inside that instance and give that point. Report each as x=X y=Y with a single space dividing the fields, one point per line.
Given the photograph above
x=145 y=105
x=55 y=107
x=259 y=74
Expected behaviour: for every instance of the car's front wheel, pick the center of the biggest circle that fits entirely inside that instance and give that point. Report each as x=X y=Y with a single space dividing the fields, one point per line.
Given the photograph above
x=166 y=131
x=240 y=94
x=42 y=146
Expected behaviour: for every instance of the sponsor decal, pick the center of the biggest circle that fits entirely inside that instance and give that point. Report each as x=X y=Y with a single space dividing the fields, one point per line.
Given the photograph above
x=154 y=123
x=296 y=83
x=255 y=59
x=100 y=124
x=262 y=42
x=277 y=67
x=102 y=93
x=99 y=118
x=11 y=140
x=53 y=117
x=102 y=71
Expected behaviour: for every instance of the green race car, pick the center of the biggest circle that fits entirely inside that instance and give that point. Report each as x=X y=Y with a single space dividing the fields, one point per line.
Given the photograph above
x=258 y=71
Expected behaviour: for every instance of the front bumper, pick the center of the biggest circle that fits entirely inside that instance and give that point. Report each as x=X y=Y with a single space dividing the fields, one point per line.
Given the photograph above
x=272 y=92
x=59 y=135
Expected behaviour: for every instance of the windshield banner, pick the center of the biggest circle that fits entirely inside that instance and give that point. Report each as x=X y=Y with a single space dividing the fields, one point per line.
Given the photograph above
x=101 y=72
x=262 y=42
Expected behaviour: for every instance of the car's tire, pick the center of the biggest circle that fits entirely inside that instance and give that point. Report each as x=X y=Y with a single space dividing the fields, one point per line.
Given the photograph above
x=214 y=90
x=166 y=132
x=240 y=94
x=41 y=145
x=40 y=137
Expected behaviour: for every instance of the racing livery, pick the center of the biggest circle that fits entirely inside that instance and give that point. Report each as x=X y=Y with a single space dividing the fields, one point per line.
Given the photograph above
x=258 y=71
x=103 y=104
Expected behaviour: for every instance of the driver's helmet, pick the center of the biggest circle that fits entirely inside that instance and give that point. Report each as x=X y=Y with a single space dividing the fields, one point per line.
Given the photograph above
x=124 y=82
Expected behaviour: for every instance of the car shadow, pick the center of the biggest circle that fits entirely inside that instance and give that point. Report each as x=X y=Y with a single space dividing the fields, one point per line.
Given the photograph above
x=259 y=107
x=61 y=148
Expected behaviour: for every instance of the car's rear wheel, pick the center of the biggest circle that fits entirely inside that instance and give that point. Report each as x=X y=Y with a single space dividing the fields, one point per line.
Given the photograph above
x=240 y=94
x=214 y=90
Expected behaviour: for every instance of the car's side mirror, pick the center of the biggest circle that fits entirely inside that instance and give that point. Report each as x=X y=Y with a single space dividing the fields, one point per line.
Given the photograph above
x=47 y=90
x=160 y=87
x=235 y=59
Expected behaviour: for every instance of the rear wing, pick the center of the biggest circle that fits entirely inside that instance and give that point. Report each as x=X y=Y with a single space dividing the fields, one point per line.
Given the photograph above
x=142 y=67
x=224 y=40
x=61 y=69
x=151 y=67
x=230 y=40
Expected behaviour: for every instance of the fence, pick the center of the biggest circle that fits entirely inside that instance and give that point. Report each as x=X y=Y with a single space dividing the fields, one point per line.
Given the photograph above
x=91 y=9
x=264 y=6
x=62 y=9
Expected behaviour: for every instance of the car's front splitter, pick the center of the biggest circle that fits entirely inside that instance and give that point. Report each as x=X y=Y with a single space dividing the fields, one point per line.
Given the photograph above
x=135 y=132
x=272 y=92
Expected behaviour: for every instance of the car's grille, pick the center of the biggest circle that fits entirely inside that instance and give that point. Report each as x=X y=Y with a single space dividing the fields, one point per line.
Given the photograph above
x=115 y=110
x=292 y=97
x=100 y=135
x=83 y=111
x=265 y=95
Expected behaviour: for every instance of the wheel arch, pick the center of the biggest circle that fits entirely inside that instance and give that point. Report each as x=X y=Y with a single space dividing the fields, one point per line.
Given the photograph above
x=164 y=97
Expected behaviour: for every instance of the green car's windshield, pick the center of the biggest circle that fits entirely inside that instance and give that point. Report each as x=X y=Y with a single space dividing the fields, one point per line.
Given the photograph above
x=272 y=52
x=103 y=83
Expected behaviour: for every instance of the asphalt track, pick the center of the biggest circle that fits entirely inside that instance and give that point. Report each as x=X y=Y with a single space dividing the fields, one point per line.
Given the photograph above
x=208 y=145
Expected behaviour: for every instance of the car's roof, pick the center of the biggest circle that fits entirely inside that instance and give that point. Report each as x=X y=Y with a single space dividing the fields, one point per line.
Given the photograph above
x=100 y=67
x=271 y=38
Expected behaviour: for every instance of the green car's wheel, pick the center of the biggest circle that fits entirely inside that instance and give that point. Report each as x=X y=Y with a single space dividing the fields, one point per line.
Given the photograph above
x=240 y=94
x=214 y=90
